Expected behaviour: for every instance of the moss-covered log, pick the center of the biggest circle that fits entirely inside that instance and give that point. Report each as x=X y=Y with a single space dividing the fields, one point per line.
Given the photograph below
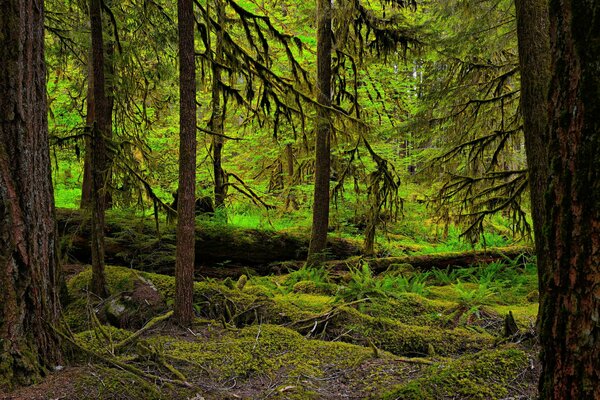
x=450 y=260
x=220 y=250
x=425 y=262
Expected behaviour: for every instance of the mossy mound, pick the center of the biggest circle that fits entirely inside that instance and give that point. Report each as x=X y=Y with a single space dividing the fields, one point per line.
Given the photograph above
x=350 y=325
x=409 y=308
x=490 y=374
x=287 y=365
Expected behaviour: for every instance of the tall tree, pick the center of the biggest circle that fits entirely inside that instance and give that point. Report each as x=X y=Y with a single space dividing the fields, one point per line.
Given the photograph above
x=184 y=269
x=320 y=219
x=100 y=165
x=218 y=115
x=28 y=261
x=534 y=62
x=570 y=219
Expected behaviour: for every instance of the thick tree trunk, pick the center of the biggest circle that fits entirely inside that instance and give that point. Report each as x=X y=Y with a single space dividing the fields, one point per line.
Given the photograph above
x=184 y=266
x=217 y=118
x=534 y=59
x=320 y=220
x=570 y=300
x=99 y=160
x=29 y=304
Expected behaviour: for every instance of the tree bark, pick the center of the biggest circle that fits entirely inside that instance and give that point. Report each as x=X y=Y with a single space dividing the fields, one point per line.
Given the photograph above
x=320 y=220
x=534 y=61
x=184 y=265
x=99 y=166
x=86 y=185
x=570 y=275
x=29 y=304
x=217 y=118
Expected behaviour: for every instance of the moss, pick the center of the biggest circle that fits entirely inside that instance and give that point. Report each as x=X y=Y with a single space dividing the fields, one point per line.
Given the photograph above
x=485 y=375
x=311 y=287
x=403 y=339
x=264 y=350
x=312 y=303
x=408 y=308
x=525 y=315
x=400 y=269
x=21 y=366
x=115 y=384
x=96 y=341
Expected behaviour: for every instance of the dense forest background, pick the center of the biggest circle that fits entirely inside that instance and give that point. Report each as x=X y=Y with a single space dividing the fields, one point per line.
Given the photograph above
x=217 y=199
x=424 y=116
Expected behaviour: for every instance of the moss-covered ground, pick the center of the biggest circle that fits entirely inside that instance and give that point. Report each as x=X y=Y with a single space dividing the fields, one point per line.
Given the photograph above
x=304 y=335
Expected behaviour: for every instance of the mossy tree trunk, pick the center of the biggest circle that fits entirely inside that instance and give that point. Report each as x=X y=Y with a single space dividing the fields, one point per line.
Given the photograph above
x=100 y=166
x=567 y=178
x=184 y=264
x=320 y=216
x=28 y=260
x=86 y=185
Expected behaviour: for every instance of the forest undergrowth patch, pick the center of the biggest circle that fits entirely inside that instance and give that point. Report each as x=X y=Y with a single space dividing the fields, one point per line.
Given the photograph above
x=304 y=335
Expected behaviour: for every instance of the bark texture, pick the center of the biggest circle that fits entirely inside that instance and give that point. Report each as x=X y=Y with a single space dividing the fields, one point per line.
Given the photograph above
x=217 y=118
x=570 y=297
x=534 y=59
x=100 y=165
x=184 y=266
x=320 y=220
x=28 y=264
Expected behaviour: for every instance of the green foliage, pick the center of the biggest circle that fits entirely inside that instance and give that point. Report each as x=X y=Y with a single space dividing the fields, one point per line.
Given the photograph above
x=362 y=285
x=470 y=297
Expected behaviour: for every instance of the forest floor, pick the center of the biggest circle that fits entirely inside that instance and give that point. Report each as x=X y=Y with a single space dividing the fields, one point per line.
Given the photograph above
x=307 y=334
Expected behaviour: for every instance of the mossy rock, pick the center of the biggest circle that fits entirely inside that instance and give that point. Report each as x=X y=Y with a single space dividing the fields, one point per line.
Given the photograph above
x=489 y=374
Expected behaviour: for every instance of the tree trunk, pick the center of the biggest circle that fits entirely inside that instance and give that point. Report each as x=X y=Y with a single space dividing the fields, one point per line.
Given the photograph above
x=217 y=118
x=99 y=160
x=320 y=221
x=29 y=304
x=570 y=222
x=534 y=60
x=86 y=185
x=184 y=265
x=108 y=67
x=290 y=199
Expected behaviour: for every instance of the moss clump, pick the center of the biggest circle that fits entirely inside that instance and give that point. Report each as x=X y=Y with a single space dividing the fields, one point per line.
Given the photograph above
x=485 y=375
x=403 y=339
x=311 y=303
x=408 y=308
x=311 y=287
x=100 y=341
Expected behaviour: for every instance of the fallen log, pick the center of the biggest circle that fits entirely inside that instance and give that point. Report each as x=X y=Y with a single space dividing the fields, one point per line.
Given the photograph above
x=425 y=262
x=221 y=250
x=451 y=260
